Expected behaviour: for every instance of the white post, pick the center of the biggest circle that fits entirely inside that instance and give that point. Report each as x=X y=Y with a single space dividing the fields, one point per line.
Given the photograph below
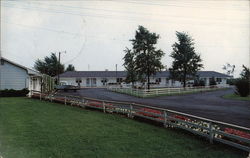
x=103 y=105
x=211 y=134
x=165 y=118
x=131 y=109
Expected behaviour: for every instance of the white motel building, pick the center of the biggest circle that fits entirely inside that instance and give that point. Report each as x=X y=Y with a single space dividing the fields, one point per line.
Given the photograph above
x=108 y=78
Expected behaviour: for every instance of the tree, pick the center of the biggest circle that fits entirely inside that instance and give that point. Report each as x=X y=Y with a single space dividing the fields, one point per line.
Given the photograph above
x=129 y=64
x=186 y=62
x=70 y=68
x=147 y=57
x=229 y=69
x=245 y=74
x=49 y=65
x=243 y=83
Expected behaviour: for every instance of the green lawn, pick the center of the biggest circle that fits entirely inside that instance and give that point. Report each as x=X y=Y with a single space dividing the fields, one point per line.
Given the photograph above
x=37 y=129
x=236 y=97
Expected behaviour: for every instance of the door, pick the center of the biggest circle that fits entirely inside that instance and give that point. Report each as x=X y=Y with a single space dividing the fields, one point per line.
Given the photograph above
x=91 y=82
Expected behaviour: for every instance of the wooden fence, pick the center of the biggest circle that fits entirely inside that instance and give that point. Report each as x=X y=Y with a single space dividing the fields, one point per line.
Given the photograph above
x=233 y=135
x=162 y=91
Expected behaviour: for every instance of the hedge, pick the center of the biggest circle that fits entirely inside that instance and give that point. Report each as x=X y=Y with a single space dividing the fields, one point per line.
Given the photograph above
x=13 y=93
x=242 y=87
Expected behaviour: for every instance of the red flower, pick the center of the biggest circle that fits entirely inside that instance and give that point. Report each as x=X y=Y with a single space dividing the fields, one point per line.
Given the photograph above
x=237 y=132
x=181 y=117
x=151 y=111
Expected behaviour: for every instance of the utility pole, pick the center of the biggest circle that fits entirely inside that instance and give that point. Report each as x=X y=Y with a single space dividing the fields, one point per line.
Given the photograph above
x=116 y=72
x=58 y=67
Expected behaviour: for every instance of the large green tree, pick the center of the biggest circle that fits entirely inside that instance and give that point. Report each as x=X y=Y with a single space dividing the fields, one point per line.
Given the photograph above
x=147 y=57
x=49 y=65
x=186 y=61
x=129 y=64
x=70 y=68
x=245 y=74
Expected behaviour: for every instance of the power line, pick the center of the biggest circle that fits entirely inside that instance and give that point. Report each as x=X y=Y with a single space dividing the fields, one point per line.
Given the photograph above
x=43 y=28
x=128 y=12
x=117 y=17
x=180 y=6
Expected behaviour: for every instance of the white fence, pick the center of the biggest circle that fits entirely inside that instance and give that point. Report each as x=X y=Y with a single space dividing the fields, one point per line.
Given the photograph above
x=163 y=91
x=233 y=135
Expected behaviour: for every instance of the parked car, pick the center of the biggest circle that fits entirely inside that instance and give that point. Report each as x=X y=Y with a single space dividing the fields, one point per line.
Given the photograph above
x=67 y=87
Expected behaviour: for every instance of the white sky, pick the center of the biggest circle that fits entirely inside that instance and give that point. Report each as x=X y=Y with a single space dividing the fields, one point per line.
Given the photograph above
x=95 y=33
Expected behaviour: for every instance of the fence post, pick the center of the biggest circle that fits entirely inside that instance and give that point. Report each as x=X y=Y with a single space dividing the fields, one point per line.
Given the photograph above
x=65 y=100
x=40 y=95
x=211 y=134
x=103 y=105
x=165 y=119
x=83 y=103
x=248 y=155
x=131 y=109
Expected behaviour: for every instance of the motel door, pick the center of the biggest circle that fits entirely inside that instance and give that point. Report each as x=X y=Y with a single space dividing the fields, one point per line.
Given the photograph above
x=91 y=82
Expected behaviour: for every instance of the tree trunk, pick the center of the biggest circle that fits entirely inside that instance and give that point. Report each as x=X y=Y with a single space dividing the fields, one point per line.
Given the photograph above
x=184 y=80
x=148 y=82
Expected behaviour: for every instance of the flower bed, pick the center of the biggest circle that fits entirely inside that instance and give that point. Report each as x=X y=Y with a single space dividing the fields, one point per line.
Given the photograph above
x=237 y=132
x=148 y=111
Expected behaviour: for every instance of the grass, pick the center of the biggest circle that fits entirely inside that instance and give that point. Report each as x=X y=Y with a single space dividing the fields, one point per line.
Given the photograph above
x=31 y=128
x=236 y=97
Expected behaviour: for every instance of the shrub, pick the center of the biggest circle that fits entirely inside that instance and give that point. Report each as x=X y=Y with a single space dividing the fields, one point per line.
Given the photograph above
x=198 y=83
x=242 y=87
x=231 y=81
x=13 y=93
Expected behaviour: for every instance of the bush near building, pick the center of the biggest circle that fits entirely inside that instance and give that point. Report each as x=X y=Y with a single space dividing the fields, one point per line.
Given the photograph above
x=14 y=93
x=242 y=87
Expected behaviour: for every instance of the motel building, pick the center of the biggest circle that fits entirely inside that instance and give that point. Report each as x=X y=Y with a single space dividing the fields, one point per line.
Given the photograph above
x=114 y=78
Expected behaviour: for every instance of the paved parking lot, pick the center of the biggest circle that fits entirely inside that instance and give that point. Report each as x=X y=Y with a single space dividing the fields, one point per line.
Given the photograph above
x=207 y=104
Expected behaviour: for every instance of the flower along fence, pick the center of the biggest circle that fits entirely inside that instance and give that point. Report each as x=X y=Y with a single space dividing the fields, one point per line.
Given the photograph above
x=233 y=135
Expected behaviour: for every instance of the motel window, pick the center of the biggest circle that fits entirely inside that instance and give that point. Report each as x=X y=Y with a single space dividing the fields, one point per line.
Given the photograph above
x=78 y=80
x=94 y=80
x=167 y=80
x=104 y=80
x=118 y=80
x=218 y=79
x=158 y=80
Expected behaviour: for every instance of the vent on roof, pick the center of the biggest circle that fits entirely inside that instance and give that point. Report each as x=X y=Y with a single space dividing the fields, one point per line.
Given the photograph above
x=106 y=69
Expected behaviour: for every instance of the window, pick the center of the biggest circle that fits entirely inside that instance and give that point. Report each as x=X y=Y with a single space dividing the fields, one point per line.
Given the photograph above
x=118 y=80
x=218 y=79
x=158 y=80
x=167 y=80
x=2 y=62
x=78 y=80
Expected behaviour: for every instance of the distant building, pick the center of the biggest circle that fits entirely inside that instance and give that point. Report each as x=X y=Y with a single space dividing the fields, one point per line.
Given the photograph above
x=17 y=77
x=161 y=79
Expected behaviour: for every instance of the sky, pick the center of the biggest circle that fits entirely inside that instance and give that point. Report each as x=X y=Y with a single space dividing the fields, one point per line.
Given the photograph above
x=94 y=34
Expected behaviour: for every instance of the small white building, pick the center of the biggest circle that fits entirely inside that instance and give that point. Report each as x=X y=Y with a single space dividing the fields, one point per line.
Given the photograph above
x=161 y=79
x=17 y=77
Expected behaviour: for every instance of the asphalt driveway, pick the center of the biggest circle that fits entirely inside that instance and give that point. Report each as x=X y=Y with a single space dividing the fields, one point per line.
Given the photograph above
x=207 y=104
